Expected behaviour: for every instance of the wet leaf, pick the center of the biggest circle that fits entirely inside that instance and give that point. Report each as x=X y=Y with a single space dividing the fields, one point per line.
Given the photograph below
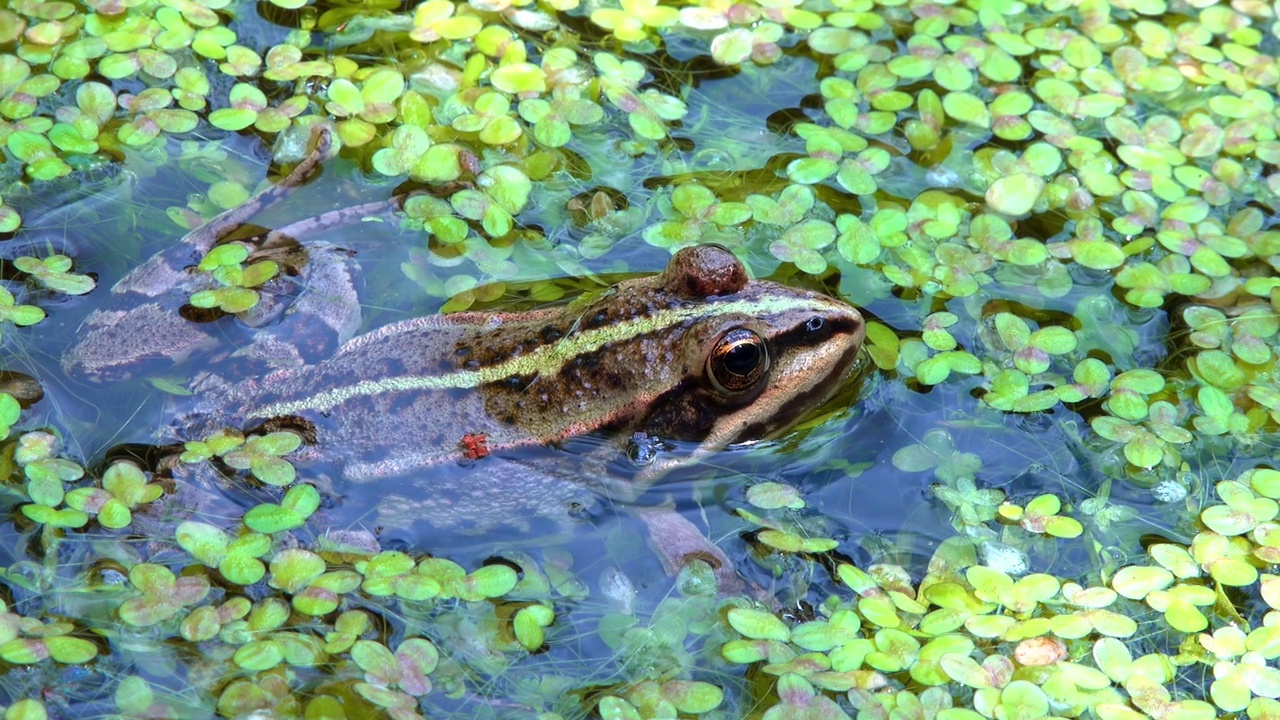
x=758 y=625
x=529 y=625
x=772 y=496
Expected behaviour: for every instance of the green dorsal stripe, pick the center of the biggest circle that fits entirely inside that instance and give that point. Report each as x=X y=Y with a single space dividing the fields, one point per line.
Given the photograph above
x=546 y=359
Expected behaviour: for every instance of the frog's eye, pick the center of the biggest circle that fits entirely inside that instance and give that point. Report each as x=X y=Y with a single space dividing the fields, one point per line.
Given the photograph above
x=738 y=360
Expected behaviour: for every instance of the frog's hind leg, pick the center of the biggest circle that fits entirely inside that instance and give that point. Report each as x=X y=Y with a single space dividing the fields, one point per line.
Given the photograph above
x=141 y=320
x=219 y=226
x=166 y=270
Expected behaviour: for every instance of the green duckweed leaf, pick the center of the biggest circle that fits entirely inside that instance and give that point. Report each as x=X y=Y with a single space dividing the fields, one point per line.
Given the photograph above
x=59 y=517
x=18 y=314
x=529 y=625
x=260 y=454
x=299 y=502
x=161 y=595
x=758 y=625
x=295 y=568
x=772 y=496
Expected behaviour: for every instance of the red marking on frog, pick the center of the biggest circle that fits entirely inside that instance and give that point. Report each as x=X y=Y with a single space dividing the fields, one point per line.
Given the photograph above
x=474 y=446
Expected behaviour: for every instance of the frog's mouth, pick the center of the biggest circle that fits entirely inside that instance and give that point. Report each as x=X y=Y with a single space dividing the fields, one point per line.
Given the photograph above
x=839 y=393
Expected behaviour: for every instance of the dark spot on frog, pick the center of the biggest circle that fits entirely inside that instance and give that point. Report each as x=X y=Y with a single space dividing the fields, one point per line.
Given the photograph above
x=485 y=356
x=191 y=313
x=300 y=426
x=551 y=333
x=388 y=366
x=599 y=320
x=320 y=342
x=589 y=361
x=519 y=383
x=466 y=357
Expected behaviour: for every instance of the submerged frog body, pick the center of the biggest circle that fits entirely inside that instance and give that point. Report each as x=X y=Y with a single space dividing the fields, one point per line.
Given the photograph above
x=566 y=404
x=699 y=353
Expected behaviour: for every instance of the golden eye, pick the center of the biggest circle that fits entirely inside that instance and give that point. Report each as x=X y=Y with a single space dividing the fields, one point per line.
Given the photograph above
x=738 y=361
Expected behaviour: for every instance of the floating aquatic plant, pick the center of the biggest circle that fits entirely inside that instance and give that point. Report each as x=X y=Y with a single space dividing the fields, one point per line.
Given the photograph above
x=28 y=641
x=10 y=410
x=298 y=503
x=46 y=474
x=237 y=282
x=952 y=160
x=17 y=314
x=54 y=273
x=262 y=455
x=237 y=558
x=124 y=487
x=160 y=594
x=248 y=106
x=703 y=218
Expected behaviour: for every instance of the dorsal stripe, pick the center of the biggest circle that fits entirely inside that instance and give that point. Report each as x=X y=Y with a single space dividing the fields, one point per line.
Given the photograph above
x=546 y=359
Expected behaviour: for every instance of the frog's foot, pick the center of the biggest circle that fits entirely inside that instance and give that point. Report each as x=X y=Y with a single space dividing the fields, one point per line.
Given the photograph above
x=676 y=541
x=314 y=314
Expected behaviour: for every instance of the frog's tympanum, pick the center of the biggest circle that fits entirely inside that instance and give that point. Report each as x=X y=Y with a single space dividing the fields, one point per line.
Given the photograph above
x=523 y=414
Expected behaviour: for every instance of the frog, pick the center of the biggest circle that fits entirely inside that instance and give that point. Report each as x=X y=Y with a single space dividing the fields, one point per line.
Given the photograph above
x=474 y=419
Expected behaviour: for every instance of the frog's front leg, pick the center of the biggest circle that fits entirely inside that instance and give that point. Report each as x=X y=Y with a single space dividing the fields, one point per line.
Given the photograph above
x=677 y=541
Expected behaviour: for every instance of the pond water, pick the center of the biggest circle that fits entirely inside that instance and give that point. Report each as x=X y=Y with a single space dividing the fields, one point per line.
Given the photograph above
x=1058 y=221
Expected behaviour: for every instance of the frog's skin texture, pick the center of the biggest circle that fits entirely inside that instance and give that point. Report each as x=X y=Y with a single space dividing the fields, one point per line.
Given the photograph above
x=699 y=353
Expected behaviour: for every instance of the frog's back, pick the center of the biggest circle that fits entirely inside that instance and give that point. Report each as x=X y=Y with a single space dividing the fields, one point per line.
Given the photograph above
x=398 y=398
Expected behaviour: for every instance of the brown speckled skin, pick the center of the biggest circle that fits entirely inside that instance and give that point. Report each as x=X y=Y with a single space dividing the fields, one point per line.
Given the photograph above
x=653 y=382
x=557 y=393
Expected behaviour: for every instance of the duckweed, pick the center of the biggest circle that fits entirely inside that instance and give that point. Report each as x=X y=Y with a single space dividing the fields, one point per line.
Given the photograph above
x=1015 y=192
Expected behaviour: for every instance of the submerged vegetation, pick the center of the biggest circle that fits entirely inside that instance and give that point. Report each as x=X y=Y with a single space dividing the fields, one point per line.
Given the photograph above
x=1062 y=212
